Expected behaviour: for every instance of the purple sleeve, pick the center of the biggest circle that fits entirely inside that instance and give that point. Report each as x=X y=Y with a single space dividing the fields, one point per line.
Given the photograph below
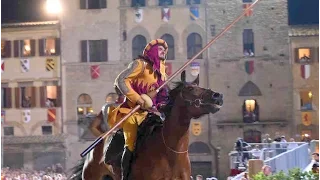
x=162 y=97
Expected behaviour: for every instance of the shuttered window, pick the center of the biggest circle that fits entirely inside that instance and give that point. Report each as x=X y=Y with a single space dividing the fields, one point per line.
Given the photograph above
x=49 y=47
x=94 y=50
x=24 y=48
x=5 y=49
x=93 y=4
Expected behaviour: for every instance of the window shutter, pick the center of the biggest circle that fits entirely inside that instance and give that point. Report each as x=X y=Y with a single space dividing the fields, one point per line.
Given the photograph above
x=41 y=47
x=83 y=4
x=8 y=98
x=33 y=47
x=16 y=48
x=57 y=46
x=104 y=50
x=84 y=51
x=33 y=97
x=42 y=96
x=8 y=48
x=103 y=4
x=59 y=96
x=296 y=55
x=17 y=97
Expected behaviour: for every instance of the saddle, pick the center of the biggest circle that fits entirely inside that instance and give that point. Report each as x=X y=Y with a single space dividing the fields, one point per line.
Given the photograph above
x=115 y=144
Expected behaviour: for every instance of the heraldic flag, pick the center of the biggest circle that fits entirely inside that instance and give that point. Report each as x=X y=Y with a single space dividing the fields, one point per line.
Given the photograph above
x=165 y=14
x=25 y=66
x=26 y=116
x=51 y=115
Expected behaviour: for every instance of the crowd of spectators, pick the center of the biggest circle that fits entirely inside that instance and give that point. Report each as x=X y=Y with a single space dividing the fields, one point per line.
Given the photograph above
x=55 y=172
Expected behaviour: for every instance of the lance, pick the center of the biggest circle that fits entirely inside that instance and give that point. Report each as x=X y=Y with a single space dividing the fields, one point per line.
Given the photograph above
x=153 y=93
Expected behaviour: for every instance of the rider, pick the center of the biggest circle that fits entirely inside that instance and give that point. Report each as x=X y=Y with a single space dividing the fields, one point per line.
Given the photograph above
x=144 y=75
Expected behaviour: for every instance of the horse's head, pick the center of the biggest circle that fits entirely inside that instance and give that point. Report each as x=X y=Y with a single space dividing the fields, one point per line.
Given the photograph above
x=197 y=101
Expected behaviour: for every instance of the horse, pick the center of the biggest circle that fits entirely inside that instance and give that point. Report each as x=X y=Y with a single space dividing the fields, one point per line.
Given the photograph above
x=164 y=153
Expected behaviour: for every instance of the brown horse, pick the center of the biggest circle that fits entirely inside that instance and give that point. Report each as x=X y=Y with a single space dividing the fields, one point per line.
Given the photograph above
x=164 y=154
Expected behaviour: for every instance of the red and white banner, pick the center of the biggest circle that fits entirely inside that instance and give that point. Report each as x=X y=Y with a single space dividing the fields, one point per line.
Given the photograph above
x=2 y=66
x=95 y=71
x=305 y=71
x=51 y=115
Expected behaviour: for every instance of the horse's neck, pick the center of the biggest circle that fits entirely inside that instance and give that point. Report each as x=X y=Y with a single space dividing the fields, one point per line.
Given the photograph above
x=176 y=130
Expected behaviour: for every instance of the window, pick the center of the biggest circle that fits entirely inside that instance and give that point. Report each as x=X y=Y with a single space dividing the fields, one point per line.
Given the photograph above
x=248 y=42
x=93 y=4
x=138 y=3
x=306 y=100
x=5 y=49
x=303 y=55
x=24 y=48
x=49 y=47
x=94 y=50
x=6 y=97
x=25 y=97
x=252 y=136
x=250 y=111
x=8 y=131
x=165 y=2
x=247 y=1
x=112 y=98
x=194 y=45
x=138 y=44
x=46 y=130
x=84 y=105
x=190 y=2
x=50 y=96
x=170 y=41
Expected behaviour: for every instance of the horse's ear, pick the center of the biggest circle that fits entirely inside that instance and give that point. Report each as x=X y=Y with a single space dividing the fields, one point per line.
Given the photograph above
x=183 y=76
x=196 y=81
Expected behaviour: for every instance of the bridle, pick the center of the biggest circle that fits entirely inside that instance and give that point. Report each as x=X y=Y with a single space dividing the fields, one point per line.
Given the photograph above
x=198 y=102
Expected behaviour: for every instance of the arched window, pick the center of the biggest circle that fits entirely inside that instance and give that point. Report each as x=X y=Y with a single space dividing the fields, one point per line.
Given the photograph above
x=252 y=136
x=250 y=109
x=194 y=45
x=138 y=44
x=191 y=2
x=170 y=41
x=84 y=105
x=112 y=98
x=199 y=147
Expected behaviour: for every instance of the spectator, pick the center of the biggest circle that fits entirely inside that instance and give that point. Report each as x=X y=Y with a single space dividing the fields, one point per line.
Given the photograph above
x=256 y=152
x=292 y=144
x=266 y=170
x=315 y=156
x=199 y=177
x=245 y=176
x=283 y=144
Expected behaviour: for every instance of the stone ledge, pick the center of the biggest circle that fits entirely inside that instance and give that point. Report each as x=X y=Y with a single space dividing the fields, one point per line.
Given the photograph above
x=281 y=123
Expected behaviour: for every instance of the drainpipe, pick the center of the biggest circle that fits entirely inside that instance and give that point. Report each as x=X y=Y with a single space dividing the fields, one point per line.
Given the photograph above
x=61 y=84
x=216 y=150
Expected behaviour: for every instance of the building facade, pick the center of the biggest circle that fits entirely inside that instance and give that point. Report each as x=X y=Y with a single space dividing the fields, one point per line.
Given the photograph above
x=304 y=57
x=251 y=65
x=32 y=127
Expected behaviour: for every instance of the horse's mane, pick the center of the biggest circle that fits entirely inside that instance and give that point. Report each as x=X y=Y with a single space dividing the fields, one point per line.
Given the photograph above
x=178 y=86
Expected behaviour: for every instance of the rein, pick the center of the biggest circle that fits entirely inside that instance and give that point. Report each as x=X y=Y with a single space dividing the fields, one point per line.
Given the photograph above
x=164 y=142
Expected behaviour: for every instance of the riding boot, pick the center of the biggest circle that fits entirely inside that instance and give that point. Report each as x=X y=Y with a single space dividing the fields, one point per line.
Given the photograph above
x=126 y=163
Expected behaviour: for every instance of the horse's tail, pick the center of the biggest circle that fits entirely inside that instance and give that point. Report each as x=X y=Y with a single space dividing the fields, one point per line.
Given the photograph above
x=77 y=170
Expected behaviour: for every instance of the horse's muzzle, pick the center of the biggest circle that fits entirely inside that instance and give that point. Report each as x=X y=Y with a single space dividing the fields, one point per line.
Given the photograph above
x=217 y=98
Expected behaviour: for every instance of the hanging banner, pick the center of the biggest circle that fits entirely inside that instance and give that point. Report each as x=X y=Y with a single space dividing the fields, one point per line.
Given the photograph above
x=195 y=68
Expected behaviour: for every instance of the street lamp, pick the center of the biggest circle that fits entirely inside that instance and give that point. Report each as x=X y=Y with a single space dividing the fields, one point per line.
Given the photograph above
x=53 y=6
